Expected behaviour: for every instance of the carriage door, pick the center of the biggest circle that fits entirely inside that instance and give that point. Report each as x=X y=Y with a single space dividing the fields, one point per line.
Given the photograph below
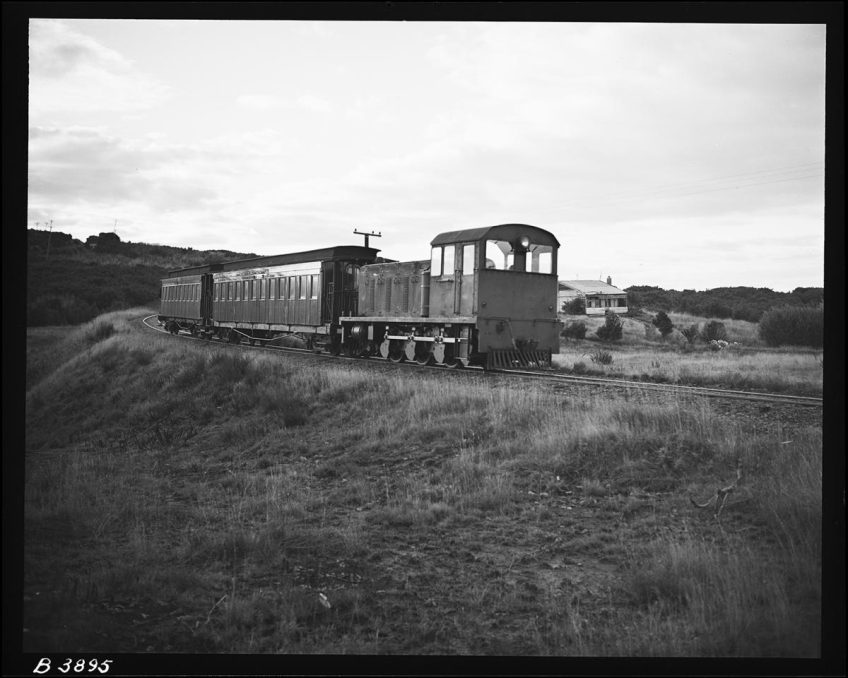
x=332 y=305
x=206 y=286
x=350 y=293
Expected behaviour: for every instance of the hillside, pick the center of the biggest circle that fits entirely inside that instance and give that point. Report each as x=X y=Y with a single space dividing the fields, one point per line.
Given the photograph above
x=190 y=497
x=69 y=282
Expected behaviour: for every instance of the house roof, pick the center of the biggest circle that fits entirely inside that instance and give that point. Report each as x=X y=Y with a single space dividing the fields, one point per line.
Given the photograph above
x=589 y=287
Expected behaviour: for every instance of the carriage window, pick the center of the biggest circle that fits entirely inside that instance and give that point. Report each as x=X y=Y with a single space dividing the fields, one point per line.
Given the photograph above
x=436 y=262
x=304 y=282
x=448 y=267
x=350 y=276
x=292 y=288
x=314 y=287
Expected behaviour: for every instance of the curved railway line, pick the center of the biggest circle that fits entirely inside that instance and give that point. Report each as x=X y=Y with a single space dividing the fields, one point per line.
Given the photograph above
x=555 y=378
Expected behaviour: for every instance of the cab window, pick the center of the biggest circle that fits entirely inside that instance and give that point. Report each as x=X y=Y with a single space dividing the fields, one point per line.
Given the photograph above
x=449 y=261
x=468 y=259
x=436 y=262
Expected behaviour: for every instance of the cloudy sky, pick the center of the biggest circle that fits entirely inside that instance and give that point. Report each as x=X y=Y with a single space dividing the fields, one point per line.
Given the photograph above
x=678 y=155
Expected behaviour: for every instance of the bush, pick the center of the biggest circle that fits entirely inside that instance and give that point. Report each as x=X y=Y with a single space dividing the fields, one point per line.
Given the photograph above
x=713 y=331
x=579 y=367
x=601 y=357
x=663 y=323
x=691 y=333
x=576 y=306
x=793 y=326
x=611 y=329
x=574 y=330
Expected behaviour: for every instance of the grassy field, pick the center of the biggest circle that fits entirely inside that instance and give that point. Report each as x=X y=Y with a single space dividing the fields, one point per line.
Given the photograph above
x=643 y=354
x=182 y=497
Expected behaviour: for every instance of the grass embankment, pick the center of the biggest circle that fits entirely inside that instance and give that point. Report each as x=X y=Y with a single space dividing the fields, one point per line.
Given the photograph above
x=188 y=498
x=643 y=354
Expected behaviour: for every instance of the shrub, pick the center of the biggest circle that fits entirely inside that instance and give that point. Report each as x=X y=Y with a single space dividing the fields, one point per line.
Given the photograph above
x=574 y=330
x=576 y=306
x=600 y=357
x=794 y=326
x=611 y=329
x=691 y=333
x=714 y=330
x=579 y=367
x=663 y=323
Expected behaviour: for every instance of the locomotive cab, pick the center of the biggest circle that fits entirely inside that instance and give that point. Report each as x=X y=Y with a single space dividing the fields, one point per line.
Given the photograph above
x=505 y=278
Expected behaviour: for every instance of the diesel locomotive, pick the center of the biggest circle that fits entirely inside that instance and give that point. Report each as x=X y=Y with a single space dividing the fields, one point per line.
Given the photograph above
x=486 y=296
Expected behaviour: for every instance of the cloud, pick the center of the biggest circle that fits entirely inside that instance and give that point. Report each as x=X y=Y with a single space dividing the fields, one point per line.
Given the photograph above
x=272 y=102
x=262 y=102
x=315 y=104
x=71 y=72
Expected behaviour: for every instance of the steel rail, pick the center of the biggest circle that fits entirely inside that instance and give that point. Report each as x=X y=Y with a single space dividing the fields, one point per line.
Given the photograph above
x=668 y=388
x=675 y=389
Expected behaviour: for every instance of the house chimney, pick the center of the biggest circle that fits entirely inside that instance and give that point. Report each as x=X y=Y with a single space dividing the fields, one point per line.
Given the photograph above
x=609 y=280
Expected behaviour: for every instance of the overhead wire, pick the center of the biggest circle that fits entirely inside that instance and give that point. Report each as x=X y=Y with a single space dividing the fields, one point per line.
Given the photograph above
x=700 y=186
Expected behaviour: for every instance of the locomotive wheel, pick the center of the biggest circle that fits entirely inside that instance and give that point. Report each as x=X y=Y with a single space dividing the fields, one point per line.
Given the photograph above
x=396 y=352
x=423 y=355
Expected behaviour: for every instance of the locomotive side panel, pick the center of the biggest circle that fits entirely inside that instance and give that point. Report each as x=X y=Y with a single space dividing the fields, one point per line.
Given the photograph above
x=397 y=289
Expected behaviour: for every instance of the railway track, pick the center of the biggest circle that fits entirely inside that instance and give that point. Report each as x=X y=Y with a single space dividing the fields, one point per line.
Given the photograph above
x=557 y=378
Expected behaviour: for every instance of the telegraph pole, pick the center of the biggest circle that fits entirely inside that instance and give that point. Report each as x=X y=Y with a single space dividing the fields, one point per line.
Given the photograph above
x=49 y=235
x=367 y=235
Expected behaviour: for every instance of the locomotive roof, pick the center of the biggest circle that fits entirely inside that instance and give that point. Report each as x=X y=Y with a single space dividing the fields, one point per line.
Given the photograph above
x=326 y=254
x=500 y=232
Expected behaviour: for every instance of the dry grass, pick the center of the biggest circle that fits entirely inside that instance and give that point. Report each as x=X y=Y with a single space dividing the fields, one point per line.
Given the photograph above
x=798 y=372
x=188 y=498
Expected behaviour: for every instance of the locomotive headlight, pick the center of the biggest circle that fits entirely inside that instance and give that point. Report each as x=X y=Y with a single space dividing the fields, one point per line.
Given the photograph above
x=524 y=242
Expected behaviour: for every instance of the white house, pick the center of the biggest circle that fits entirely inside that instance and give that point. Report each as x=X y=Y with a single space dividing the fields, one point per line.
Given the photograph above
x=598 y=295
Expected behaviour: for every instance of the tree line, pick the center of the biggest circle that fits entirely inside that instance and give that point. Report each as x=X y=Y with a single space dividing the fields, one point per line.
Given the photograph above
x=737 y=303
x=70 y=282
